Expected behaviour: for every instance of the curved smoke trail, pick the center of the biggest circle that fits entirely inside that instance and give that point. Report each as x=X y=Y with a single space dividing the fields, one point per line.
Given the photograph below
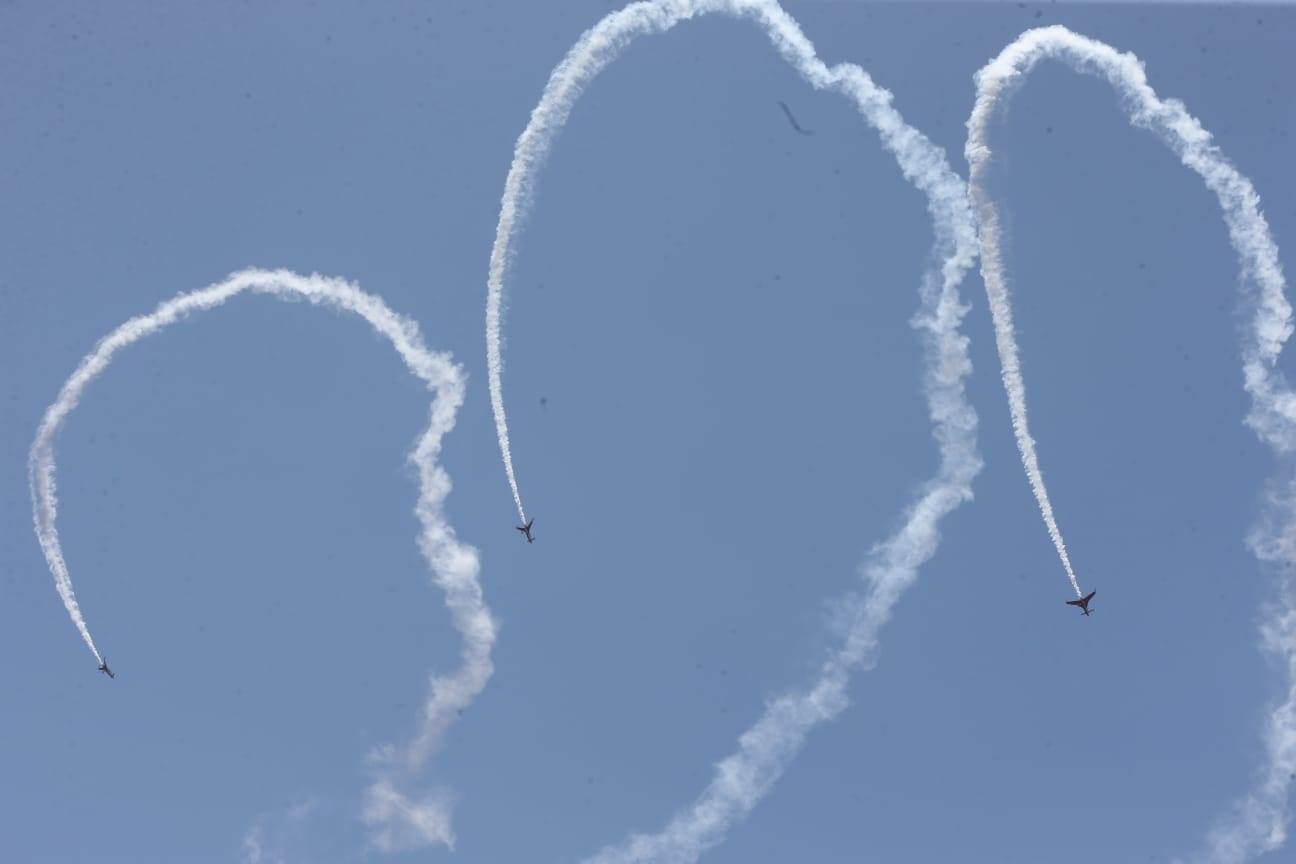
x=765 y=750
x=397 y=821
x=1260 y=821
x=992 y=274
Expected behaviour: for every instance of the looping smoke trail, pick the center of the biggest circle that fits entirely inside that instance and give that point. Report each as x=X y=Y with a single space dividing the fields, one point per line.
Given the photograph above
x=992 y=273
x=765 y=750
x=1259 y=823
x=397 y=821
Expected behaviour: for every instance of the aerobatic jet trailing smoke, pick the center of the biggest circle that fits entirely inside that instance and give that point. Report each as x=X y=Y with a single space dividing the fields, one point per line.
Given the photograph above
x=967 y=230
x=398 y=821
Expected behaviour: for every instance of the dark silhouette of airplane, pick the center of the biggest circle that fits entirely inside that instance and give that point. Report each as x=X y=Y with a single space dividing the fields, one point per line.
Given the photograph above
x=795 y=125
x=526 y=529
x=103 y=667
x=1083 y=603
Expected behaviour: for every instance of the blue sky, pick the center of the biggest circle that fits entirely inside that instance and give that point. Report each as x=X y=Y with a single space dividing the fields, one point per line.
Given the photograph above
x=714 y=310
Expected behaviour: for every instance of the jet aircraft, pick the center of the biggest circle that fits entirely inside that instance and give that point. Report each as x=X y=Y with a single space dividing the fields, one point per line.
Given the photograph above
x=1083 y=603
x=103 y=667
x=526 y=529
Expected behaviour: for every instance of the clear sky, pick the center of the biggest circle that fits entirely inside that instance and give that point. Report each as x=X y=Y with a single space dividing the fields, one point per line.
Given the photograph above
x=714 y=401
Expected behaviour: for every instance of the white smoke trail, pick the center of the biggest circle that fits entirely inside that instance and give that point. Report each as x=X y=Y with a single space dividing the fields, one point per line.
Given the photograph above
x=1260 y=822
x=992 y=274
x=766 y=749
x=397 y=821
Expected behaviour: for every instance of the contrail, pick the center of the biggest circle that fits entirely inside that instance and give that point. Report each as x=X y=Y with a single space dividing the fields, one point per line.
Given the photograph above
x=765 y=750
x=1259 y=823
x=397 y=821
x=992 y=274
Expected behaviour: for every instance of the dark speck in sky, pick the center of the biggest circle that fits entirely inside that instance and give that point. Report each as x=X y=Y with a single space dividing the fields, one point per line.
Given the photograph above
x=787 y=112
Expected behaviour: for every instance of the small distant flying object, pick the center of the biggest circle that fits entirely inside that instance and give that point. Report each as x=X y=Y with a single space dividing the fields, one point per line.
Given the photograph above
x=1083 y=603
x=103 y=667
x=795 y=125
x=526 y=530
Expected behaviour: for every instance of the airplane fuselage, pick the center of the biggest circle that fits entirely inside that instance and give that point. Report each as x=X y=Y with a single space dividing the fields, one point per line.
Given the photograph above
x=1083 y=603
